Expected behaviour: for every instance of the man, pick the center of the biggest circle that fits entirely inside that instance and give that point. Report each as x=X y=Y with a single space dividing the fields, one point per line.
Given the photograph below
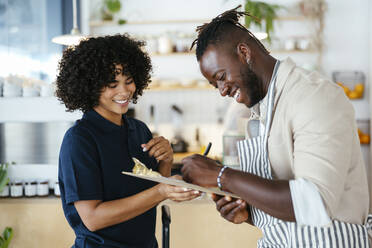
x=303 y=181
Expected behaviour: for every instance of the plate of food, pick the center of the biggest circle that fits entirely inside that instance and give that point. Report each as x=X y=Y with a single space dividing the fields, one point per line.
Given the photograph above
x=141 y=171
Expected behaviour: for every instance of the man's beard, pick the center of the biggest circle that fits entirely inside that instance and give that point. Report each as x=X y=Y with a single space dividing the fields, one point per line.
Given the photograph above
x=253 y=86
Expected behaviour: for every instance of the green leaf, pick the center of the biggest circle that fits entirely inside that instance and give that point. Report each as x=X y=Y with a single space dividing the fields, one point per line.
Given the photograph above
x=3 y=180
x=8 y=235
x=113 y=5
x=122 y=21
x=2 y=184
x=262 y=11
x=3 y=175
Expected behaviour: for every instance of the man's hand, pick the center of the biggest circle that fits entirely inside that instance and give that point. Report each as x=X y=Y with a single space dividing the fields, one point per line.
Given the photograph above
x=200 y=170
x=234 y=211
x=160 y=148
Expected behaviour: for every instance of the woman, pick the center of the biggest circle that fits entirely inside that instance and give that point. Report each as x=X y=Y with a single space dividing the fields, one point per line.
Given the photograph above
x=105 y=208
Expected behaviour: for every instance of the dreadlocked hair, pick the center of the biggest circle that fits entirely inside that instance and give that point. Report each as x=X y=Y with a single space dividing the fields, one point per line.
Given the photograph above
x=214 y=31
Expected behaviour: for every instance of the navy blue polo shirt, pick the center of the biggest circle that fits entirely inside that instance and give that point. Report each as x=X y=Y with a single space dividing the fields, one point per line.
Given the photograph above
x=93 y=154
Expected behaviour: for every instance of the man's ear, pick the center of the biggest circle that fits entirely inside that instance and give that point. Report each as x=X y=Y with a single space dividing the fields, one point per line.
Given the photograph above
x=244 y=52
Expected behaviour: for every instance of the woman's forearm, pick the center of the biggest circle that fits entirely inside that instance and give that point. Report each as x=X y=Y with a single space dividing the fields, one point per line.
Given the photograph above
x=98 y=214
x=165 y=168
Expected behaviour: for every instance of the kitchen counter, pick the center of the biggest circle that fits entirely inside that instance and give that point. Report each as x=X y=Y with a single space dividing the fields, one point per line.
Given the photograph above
x=39 y=222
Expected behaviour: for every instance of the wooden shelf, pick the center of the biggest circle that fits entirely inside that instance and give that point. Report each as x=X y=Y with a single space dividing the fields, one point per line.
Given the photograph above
x=192 y=53
x=179 y=87
x=99 y=23
x=293 y=51
x=149 y=22
x=292 y=18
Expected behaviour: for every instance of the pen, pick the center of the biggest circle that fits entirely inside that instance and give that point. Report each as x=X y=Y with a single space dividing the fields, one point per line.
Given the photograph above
x=207 y=149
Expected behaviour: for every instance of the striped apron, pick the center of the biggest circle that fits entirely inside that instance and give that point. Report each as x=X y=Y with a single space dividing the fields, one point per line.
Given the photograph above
x=278 y=233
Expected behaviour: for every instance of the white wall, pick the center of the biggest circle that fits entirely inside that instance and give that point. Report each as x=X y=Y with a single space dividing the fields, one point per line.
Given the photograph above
x=346 y=46
x=347 y=43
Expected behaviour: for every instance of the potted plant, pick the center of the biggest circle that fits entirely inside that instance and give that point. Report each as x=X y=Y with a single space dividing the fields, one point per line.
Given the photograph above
x=8 y=232
x=109 y=8
x=261 y=11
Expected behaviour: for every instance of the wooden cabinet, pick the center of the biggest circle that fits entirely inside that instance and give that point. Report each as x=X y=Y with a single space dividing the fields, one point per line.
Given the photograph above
x=39 y=222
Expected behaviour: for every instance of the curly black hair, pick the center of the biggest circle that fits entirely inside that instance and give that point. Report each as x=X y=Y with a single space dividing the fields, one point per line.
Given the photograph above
x=86 y=69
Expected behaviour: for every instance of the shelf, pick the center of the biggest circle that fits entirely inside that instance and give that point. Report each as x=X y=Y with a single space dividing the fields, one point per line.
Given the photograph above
x=115 y=23
x=193 y=53
x=99 y=23
x=180 y=87
x=292 y=18
x=293 y=51
x=172 y=54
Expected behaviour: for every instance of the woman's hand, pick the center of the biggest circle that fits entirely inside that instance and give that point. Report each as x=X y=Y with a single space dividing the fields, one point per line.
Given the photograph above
x=200 y=170
x=177 y=194
x=160 y=148
x=234 y=211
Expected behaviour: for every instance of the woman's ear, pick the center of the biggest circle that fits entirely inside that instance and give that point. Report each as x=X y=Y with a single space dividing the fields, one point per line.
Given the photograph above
x=244 y=52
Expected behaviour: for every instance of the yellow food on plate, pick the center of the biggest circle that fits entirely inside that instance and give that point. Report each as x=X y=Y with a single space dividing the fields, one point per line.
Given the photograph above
x=141 y=169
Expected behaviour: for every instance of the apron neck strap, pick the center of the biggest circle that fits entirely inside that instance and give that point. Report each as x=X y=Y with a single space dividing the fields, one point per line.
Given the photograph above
x=270 y=99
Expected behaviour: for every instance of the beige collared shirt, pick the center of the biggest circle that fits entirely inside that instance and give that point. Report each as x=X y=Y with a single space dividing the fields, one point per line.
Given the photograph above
x=314 y=136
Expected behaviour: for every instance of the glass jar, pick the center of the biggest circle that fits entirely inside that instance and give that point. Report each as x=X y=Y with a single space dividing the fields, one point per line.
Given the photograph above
x=182 y=43
x=364 y=131
x=152 y=44
x=5 y=192
x=352 y=82
x=42 y=188
x=16 y=188
x=57 y=192
x=30 y=188
x=165 y=45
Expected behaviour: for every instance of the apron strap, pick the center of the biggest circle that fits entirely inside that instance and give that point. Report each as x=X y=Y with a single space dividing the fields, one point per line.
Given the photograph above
x=271 y=98
x=368 y=222
x=368 y=225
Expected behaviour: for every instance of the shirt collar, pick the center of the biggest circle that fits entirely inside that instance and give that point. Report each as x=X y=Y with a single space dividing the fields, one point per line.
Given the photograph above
x=286 y=66
x=259 y=109
x=104 y=124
